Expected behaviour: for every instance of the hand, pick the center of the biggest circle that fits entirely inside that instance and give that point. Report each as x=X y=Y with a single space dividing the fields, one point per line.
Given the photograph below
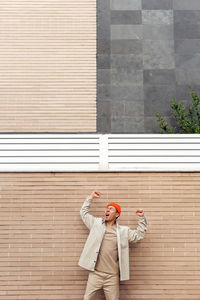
x=95 y=194
x=140 y=212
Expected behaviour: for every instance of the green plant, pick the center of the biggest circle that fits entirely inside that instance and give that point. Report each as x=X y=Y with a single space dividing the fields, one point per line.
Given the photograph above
x=187 y=120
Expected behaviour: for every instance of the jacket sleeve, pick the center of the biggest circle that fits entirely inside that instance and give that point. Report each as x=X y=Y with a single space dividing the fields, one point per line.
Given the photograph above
x=134 y=235
x=87 y=218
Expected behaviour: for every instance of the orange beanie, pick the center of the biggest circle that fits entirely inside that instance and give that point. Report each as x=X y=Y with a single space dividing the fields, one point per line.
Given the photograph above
x=117 y=206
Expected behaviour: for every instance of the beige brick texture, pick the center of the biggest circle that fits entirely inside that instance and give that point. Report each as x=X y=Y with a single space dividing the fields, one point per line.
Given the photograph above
x=42 y=235
x=48 y=66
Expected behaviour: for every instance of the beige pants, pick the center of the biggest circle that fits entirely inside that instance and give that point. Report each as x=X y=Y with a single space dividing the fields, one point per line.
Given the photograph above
x=99 y=280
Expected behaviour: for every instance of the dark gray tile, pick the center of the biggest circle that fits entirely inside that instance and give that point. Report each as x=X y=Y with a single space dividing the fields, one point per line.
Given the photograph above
x=183 y=92
x=126 y=17
x=125 y=4
x=126 y=47
x=185 y=31
x=117 y=124
x=151 y=125
x=186 y=4
x=117 y=108
x=162 y=17
x=104 y=124
x=187 y=46
x=158 y=54
x=103 y=61
x=187 y=61
x=103 y=31
x=158 y=98
x=103 y=76
x=104 y=108
x=187 y=76
x=126 y=76
x=134 y=108
x=157 y=4
x=159 y=77
x=103 y=46
x=158 y=32
x=134 y=124
x=189 y=17
x=127 y=92
x=103 y=92
x=119 y=61
x=121 y=32
x=103 y=19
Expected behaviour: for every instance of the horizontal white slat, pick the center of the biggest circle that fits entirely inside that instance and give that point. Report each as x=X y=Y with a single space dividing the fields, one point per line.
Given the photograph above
x=47 y=159
x=47 y=167
x=154 y=167
x=153 y=140
x=156 y=146
x=130 y=153
x=49 y=135
x=75 y=153
x=49 y=141
x=142 y=159
x=55 y=146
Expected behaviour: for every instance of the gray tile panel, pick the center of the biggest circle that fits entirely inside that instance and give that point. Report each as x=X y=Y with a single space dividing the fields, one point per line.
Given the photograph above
x=103 y=61
x=117 y=124
x=189 y=17
x=186 y=4
x=103 y=76
x=151 y=125
x=134 y=124
x=126 y=46
x=183 y=92
x=159 y=77
x=126 y=32
x=157 y=4
x=103 y=46
x=103 y=92
x=158 y=98
x=148 y=51
x=187 y=76
x=158 y=32
x=126 y=76
x=185 y=31
x=133 y=108
x=158 y=54
x=125 y=4
x=162 y=17
x=187 y=46
x=117 y=108
x=188 y=61
x=126 y=17
x=132 y=61
x=127 y=92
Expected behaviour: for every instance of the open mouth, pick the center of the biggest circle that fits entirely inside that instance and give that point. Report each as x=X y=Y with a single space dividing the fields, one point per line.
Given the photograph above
x=107 y=215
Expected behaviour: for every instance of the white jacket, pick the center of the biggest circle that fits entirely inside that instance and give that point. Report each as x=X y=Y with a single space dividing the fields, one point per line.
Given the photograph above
x=97 y=229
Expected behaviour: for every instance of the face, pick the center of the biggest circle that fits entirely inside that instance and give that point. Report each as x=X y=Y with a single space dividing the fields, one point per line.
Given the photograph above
x=111 y=213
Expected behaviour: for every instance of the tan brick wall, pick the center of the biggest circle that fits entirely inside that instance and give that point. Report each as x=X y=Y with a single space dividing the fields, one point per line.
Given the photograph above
x=42 y=235
x=48 y=66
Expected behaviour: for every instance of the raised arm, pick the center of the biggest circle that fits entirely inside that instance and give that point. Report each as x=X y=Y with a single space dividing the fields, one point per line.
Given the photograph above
x=135 y=235
x=87 y=218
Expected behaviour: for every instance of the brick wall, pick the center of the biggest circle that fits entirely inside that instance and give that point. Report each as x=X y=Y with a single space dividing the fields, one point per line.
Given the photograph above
x=48 y=66
x=42 y=235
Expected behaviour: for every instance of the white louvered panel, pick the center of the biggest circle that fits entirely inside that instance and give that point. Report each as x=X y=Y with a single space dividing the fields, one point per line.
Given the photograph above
x=49 y=152
x=98 y=152
x=154 y=152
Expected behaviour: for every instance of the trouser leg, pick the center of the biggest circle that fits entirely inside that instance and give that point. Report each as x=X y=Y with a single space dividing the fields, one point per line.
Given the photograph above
x=111 y=287
x=94 y=284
